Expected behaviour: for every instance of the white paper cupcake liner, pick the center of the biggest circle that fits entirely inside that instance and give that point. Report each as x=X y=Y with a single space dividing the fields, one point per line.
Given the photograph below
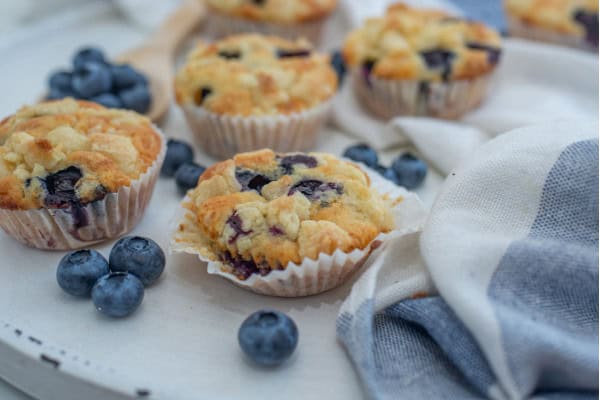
x=219 y=25
x=390 y=98
x=518 y=28
x=311 y=276
x=59 y=229
x=224 y=135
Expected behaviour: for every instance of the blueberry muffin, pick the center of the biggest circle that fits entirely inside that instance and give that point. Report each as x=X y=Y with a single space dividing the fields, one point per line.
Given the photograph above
x=569 y=22
x=74 y=173
x=261 y=213
x=286 y=18
x=421 y=62
x=250 y=91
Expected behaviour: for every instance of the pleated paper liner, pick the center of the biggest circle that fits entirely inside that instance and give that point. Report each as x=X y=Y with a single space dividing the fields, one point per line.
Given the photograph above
x=224 y=135
x=73 y=228
x=518 y=28
x=311 y=276
x=390 y=98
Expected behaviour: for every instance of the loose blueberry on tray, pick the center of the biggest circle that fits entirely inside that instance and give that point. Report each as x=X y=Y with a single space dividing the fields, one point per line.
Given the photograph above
x=78 y=271
x=118 y=294
x=338 y=64
x=268 y=337
x=178 y=153
x=139 y=256
x=362 y=153
x=187 y=176
x=406 y=170
x=136 y=98
x=410 y=170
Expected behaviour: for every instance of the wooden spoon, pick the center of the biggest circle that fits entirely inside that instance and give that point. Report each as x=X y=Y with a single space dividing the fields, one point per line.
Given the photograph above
x=155 y=58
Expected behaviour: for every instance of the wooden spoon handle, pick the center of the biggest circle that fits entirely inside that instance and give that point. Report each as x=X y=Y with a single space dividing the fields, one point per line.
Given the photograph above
x=184 y=20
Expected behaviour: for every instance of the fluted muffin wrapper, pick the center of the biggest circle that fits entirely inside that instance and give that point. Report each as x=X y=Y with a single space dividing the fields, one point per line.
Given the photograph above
x=114 y=215
x=225 y=135
x=391 y=98
x=518 y=28
x=310 y=277
x=221 y=25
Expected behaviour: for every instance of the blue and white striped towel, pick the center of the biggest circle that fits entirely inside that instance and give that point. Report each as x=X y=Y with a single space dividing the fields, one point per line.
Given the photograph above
x=501 y=301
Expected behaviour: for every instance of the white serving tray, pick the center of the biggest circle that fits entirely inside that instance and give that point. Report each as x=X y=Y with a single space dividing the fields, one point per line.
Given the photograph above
x=181 y=344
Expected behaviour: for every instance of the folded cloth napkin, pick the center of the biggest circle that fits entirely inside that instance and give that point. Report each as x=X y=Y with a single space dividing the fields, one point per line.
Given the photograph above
x=530 y=86
x=502 y=300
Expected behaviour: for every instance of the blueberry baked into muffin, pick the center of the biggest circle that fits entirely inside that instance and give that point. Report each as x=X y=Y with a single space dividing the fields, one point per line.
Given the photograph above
x=286 y=18
x=248 y=92
x=266 y=220
x=74 y=173
x=421 y=62
x=568 y=22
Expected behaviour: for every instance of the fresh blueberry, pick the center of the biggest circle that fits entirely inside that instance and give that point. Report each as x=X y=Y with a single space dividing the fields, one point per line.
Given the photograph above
x=136 y=98
x=390 y=175
x=92 y=79
x=362 y=153
x=339 y=65
x=125 y=76
x=118 y=294
x=78 y=271
x=108 y=100
x=139 y=256
x=85 y=55
x=410 y=170
x=61 y=80
x=178 y=153
x=187 y=176
x=268 y=337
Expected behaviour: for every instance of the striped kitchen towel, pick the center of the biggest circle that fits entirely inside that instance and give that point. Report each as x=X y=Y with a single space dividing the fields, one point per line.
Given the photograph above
x=498 y=296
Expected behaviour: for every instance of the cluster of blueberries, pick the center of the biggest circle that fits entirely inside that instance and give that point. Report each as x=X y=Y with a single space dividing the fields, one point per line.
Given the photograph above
x=179 y=163
x=96 y=79
x=406 y=170
x=117 y=285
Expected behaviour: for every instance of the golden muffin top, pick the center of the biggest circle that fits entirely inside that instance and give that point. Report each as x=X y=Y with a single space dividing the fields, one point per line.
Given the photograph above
x=58 y=152
x=422 y=44
x=570 y=17
x=259 y=211
x=252 y=74
x=277 y=11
